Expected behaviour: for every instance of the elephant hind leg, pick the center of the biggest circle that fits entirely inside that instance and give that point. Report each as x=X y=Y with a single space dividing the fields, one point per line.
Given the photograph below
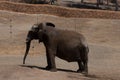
x=85 y=63
x=85 y=60
x=81 y=66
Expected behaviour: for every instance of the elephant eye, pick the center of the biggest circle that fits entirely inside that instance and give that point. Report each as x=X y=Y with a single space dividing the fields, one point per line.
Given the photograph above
x=40 y=30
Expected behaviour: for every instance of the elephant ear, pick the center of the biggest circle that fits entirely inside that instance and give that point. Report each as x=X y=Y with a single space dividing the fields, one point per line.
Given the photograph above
x=42 y=25
x=50 y=24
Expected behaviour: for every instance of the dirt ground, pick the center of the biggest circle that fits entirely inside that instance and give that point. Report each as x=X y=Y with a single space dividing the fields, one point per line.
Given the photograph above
x=103 y=36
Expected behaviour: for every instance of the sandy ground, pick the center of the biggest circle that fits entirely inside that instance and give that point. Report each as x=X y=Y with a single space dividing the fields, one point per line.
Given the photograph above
x=101 y=34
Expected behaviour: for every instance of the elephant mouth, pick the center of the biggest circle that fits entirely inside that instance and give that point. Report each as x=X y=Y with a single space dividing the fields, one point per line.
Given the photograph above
x=28 y=40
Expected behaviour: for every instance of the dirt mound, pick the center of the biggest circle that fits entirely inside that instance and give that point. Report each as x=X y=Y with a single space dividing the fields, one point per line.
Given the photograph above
x=58 y=11
x=14 y=0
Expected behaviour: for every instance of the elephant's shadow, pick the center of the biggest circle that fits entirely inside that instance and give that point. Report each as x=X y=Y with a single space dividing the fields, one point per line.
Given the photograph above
x=43 y=68
x=64 y=70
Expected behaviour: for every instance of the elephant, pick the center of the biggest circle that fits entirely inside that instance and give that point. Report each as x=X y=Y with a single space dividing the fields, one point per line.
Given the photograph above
x=65 y=44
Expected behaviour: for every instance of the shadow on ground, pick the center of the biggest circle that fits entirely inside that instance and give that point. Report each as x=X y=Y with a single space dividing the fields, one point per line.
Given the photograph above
x=64 y=70
x=43 y=68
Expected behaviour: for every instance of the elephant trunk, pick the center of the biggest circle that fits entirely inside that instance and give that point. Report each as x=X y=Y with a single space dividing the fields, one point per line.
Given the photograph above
x=27 y=50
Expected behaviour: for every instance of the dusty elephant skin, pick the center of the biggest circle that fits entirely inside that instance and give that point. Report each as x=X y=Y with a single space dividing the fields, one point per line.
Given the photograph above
x=67 y=45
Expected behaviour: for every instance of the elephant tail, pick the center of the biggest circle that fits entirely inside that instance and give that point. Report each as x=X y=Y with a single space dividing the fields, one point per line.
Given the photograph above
x=84 y=53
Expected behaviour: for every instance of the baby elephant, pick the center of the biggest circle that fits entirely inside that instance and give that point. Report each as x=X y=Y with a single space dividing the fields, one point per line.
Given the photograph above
x=67 y=45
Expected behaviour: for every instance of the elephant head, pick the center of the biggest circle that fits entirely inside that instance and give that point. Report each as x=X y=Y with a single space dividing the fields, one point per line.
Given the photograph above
x=36 y=33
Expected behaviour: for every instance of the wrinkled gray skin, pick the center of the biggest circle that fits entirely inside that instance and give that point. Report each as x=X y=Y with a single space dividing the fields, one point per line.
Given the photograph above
x=67 y=45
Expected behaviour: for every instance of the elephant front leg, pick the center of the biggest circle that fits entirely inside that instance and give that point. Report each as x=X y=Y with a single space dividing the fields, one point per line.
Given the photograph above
x=50 y=54
x=48 y=67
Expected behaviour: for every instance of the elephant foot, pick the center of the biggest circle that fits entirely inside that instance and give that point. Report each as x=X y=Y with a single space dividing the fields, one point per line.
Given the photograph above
x=48 y=68
x=83 y=72
x=53 y=69
x=79 y=71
